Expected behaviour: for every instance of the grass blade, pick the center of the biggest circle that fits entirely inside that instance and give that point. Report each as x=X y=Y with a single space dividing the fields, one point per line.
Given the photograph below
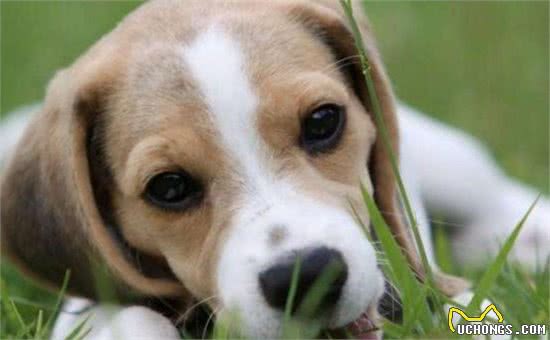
x=414 y=295
x=393 y=330
x=39 y=326
x=493 y=271
x=25 y=332
x=77 y=332
x=312 y=301
x=17 y=314
x=365 y=65
x=57 y=305
x=396 y=259
x=8 y=317
x=442 y=250
x=292 y=291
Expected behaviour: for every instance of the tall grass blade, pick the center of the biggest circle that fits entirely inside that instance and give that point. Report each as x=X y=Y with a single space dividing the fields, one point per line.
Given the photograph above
x=494 y=269
x=413 y=294
x=399 y=265
x=365 y=65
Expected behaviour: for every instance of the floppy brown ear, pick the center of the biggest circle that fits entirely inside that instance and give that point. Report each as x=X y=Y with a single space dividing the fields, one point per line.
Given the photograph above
x=51 y=219
x=327 y=21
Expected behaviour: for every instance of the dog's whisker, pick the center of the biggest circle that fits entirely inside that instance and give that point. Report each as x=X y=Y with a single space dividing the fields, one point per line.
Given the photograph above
x=190 y=309
x=340 y=63
x=210 y=318
x=390 y=293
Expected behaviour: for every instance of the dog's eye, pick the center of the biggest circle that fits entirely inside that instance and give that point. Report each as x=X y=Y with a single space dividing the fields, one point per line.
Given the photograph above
x=173 y=190
x=322 y=128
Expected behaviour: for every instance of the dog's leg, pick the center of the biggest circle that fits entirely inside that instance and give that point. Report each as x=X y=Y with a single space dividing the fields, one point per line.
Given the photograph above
x=112 y=322
x=458 y=180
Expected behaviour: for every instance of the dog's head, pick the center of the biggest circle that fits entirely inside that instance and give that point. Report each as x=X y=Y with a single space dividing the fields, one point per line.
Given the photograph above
x=202 y=150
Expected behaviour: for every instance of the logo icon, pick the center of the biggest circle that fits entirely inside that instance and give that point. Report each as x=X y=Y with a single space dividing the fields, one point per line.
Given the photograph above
x=494 y=327
x=479 y=318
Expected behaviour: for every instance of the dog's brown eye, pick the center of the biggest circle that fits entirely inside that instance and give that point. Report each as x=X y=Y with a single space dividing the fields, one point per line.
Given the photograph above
x=173 y=190
x=322 y=129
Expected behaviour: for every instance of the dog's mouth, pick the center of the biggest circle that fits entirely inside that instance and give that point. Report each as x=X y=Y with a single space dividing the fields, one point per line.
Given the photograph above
x=364 y=327
x=367 y=325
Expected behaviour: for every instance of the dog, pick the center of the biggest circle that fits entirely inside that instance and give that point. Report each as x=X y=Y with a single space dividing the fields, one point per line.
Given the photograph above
x=200 y=150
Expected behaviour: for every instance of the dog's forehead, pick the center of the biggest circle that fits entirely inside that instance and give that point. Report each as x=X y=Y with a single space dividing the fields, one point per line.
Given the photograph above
x=218 y=66
x=224 y=65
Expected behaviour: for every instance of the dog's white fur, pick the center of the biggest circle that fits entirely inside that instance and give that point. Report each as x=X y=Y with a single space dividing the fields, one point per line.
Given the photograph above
x=456 y=178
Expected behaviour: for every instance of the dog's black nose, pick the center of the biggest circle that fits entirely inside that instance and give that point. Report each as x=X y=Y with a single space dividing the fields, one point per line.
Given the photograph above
x=276 y=281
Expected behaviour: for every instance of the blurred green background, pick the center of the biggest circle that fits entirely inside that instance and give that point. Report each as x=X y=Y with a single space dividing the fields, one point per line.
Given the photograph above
x=481 y=66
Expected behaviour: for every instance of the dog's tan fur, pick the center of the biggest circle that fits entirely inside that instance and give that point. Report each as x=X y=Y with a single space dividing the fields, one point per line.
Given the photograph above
x=127 y=110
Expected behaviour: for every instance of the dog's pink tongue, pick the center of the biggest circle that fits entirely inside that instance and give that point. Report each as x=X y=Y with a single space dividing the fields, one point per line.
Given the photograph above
x=362 y=328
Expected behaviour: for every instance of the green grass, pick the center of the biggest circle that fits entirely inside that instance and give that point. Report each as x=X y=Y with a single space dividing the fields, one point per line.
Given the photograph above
x=481 y=66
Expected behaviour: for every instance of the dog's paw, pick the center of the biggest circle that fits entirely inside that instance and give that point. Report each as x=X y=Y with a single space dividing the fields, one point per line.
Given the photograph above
x=481 y=240
x=106 y=322
x=138 y=322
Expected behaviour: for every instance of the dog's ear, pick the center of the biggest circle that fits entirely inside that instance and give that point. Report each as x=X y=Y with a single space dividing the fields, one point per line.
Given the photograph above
x=326 y=20
x=51 y=217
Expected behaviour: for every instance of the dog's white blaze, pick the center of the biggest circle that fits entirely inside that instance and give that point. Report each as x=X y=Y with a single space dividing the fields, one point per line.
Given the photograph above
x=218 y=66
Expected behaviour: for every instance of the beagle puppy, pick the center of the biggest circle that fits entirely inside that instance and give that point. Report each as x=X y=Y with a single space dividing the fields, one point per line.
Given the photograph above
x=199 y=150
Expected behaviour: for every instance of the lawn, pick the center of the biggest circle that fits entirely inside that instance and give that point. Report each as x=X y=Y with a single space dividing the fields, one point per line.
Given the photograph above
x=481 y=66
